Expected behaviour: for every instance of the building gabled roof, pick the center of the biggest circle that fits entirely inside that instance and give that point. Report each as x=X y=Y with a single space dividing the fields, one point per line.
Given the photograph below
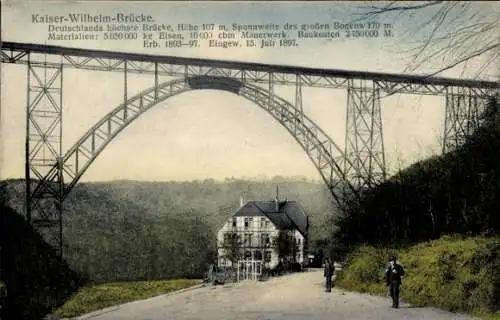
x=296 y=213
x=288 y=215
x=250 y=209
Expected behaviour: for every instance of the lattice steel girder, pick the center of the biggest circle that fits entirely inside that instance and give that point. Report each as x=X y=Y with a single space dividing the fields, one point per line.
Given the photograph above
x=364 y=145
x=50 y=227
x=298 y=98
x=391 y=87
x=43 y=148
x=251 y=72
x=462 y=115
x=44 y=122
x=325 y=154
x=315 y=142
x=163 y=69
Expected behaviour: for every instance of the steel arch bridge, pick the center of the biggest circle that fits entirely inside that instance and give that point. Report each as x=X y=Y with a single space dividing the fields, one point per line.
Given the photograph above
x=361 y=164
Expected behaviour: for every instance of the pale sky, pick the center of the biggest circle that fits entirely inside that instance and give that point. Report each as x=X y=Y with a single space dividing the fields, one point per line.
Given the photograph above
x=213 y=134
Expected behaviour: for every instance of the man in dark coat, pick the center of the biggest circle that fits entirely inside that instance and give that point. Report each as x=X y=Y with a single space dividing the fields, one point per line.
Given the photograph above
x=3 y=299
x=328 y=274
x=393 y=275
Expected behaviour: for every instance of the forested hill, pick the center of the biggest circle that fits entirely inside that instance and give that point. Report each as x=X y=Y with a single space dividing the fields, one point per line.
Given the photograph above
x=110 y=228
x=212 y=201
x=455 y=193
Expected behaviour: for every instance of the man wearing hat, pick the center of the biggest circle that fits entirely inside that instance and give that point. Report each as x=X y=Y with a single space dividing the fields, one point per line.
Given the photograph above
x=328 y=274
x=3 y=300
x=393 y=275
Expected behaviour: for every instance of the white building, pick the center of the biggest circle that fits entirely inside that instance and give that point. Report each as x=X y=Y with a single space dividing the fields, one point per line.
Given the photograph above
x=255 y=226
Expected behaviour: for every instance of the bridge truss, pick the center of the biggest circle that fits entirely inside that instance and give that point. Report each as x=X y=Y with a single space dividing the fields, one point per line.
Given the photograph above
x=51 y=174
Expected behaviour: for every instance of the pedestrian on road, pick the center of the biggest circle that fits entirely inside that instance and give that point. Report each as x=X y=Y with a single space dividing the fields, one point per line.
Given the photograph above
x=3 y=300
x=393 y=275
x=328 y=274
x=212 y=274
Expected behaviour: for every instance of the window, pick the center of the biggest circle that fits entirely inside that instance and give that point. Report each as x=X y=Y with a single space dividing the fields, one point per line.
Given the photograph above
x=298 y=241
x=262 y=222
x=230 y=238
x=248 y=239
x=234 y=222
x=226 y=238
x=248 y=223
x=258 y=255
x=248 y=255
x=267 y=256
x=265 y=240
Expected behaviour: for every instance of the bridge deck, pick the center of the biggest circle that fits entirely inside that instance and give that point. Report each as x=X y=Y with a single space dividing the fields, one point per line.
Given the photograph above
x=250 y=66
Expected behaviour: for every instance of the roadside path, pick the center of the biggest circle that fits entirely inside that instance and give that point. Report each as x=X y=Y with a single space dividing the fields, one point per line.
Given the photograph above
x=292 y=297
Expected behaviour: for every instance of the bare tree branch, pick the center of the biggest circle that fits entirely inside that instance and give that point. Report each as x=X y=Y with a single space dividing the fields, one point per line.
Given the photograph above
x=471 y=56
x=402 y=8
x=455 y=33
x=487 y=64
x=436 y=27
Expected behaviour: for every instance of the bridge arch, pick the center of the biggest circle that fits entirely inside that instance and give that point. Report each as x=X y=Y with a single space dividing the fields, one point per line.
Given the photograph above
x=325 y=154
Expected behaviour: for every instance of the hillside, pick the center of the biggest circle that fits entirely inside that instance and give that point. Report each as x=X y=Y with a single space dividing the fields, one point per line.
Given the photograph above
x=440 y=217
x=36 y=280
x=456 y=193
x=112 y=228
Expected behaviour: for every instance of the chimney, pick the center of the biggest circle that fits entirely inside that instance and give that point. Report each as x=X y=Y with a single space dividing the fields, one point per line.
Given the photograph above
x=242 y=203
x=276 y=200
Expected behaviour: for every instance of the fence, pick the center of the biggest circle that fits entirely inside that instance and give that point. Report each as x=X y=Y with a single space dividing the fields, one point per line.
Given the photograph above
x=249 y=270
x=246 y=270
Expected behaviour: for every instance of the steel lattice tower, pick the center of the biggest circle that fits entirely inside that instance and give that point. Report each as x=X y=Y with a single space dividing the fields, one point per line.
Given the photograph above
x=364 y=143
x=463 y=110
x=43 y=145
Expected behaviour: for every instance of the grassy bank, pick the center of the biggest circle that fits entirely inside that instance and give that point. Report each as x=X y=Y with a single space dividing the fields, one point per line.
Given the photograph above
x=453 y=273
x=96 y=297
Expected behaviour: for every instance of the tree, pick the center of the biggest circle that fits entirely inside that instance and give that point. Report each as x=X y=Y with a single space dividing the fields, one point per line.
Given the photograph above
x=232 y=247
x=285 y=246
x=449 y=33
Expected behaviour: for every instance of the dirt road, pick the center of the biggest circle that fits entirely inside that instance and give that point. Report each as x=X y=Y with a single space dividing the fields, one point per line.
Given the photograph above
x=293 y=297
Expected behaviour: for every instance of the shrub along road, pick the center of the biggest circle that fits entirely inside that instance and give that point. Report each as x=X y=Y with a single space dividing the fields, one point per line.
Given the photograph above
x=292 y=297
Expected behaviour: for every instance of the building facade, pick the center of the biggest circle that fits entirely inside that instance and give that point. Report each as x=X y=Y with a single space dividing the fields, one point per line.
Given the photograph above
x=252 y=233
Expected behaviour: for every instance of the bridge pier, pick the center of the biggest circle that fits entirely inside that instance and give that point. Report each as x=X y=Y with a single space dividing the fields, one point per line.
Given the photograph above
x=43 y=148
x=462 y=114
x=298 y=99
x=271 y=87
x=364 y=143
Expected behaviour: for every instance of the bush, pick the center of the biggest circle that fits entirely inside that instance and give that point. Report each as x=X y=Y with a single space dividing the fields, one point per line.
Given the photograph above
x=453 y=273
x=365 y=271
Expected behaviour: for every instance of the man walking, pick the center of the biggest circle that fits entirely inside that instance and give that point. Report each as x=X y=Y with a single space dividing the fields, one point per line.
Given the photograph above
x=328 y=274
x=3 y=300
x=393 y=275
